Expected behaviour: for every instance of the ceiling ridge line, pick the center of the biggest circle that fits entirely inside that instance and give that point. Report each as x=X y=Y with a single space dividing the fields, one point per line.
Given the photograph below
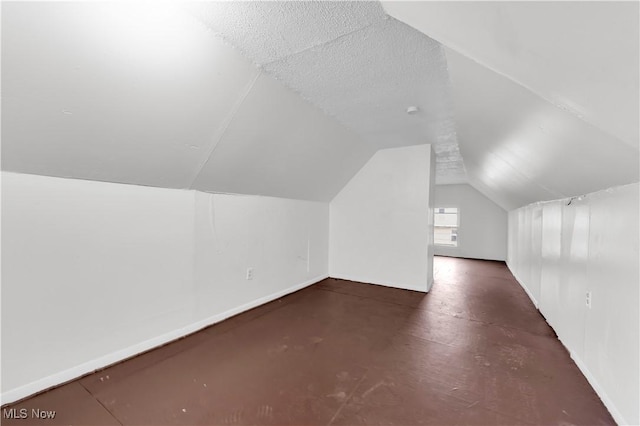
x=222 y=130
x=325 y=42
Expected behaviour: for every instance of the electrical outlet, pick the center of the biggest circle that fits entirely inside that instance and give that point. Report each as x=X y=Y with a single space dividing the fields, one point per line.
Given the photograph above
x=588 y=299
x=249 y=273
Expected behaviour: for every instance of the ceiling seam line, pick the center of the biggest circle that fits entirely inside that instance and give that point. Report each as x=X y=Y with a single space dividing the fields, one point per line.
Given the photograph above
x=224 y=127
x=323 y=43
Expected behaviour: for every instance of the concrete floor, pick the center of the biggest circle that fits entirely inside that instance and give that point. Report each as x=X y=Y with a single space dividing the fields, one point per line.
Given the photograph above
x=472 y=351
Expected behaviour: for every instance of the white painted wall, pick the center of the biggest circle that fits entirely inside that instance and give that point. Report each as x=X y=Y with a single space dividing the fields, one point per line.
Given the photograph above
x=96 y=272
x=285 y=241
x=381 y=227
x=559 y=251
x=482 y=224
x=430 y=247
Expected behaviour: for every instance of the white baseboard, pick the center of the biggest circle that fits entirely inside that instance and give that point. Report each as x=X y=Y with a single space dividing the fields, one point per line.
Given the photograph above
x=383 y=283
x=524 y=287
x=599 y=390
x=617 y=416
x=73 y=373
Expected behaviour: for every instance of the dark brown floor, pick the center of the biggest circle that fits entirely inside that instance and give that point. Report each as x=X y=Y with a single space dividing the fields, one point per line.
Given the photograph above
x=472 y=351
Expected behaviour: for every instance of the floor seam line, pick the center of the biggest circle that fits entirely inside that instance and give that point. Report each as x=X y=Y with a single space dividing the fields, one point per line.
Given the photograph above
x=430 y=310
x=349 y=398
x=369 y=297
x=484 y=322
x=101 y=404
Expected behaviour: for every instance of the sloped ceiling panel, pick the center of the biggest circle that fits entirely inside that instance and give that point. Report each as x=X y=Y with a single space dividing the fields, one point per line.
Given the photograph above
x=546 y=93
x=280 y=145
x=143 y=93
x=519 y=148
x=580 y=56
x=367 y=79
x=113 y=93
x=270 y=30
x=356 y=64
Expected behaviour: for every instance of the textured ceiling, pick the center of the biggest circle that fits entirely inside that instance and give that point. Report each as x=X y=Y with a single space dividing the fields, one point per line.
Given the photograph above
x=356 y=64
x=546 y=93
x=266 y=31
x=137 y=93
x=581 y=56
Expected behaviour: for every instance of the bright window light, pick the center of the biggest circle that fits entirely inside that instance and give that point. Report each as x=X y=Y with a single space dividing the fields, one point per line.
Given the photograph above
x=445 y=226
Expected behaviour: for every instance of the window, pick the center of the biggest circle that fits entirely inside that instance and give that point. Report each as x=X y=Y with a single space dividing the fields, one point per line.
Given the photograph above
x=445 y=226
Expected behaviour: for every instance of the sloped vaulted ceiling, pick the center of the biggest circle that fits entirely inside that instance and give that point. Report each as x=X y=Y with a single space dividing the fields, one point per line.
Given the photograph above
x=290 y=99
x=167 y=95
x=355 y=63
x=546 y=93
x=142 y=93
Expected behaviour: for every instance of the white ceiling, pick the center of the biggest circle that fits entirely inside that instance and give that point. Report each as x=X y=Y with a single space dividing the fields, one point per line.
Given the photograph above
x=274 y=137
x=290 y=99
x=546 y=93
x=581 y=56
x=147 y=95
x=519 y=148
x=355 y=63
x=84 y=96
x=266 y=31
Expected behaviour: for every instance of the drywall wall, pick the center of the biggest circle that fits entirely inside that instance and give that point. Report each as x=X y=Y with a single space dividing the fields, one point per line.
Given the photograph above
x=284 y=241
x=96 y=272
x=430 y=248
x=482 y=224
x=380 y=226
x=560 y=251
x=88 y=269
